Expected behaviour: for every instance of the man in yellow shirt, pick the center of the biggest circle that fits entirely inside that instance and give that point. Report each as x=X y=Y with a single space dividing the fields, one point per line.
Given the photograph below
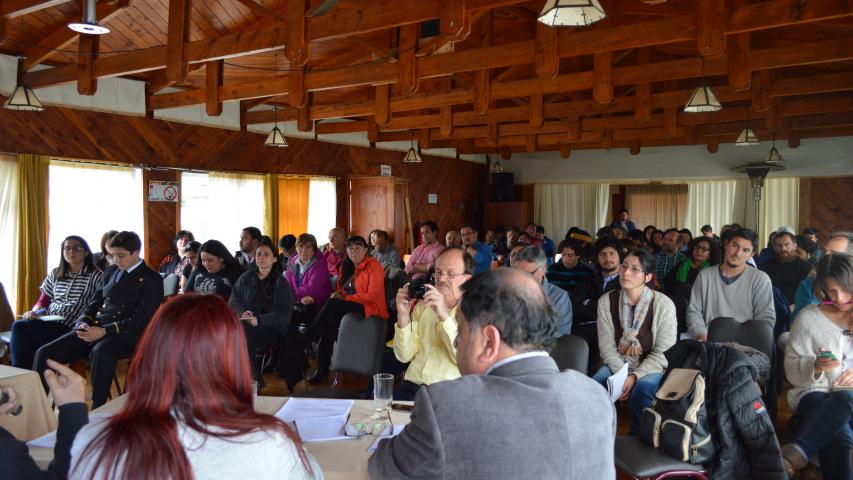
x=425 y=335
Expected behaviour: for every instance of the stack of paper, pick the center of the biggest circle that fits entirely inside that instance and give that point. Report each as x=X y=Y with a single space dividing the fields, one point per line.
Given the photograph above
x=316 y=420
x=616 y=382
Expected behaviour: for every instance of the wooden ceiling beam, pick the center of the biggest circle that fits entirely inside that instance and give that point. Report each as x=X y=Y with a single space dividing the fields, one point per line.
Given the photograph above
x=177 y=36
x=261 y=10
x=89 y=46
x=213 y=84
x=16 y=8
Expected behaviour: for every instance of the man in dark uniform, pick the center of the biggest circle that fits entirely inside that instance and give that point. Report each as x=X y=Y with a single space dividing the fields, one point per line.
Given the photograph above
x=114 y=320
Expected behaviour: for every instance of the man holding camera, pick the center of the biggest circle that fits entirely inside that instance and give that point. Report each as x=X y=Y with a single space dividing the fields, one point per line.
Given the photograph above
x=424 y=335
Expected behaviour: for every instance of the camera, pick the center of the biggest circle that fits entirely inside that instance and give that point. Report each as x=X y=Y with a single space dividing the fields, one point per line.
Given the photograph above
x=417 y=287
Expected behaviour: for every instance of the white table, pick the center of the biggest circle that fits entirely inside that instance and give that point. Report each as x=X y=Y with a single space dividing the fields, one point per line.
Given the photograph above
x=339 y=459
x=37 y=418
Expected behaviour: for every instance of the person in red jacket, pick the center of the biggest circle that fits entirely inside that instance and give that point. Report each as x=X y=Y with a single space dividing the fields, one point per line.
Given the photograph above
x=360 y=289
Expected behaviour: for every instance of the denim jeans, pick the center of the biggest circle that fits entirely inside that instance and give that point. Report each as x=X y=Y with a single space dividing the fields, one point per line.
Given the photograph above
x=641 y=395
x=827 y=429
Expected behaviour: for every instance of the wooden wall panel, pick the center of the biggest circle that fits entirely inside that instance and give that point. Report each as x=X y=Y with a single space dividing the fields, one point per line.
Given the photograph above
x=162 y=219
x=828 y=200
x=68 y=133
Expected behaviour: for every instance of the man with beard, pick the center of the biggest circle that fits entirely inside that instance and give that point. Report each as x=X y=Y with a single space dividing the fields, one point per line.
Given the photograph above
x=481 y=252
x=731 y=289
x=670 y=254
x=250 y=238
x=425 y=335
x=786 y=270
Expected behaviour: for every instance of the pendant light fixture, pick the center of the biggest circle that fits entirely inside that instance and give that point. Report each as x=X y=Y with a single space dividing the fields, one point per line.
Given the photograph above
x=275 y=138
x=23 y=97
x=89 y=24
x=773 y=156
x=412 y=156
x=703 y=99
x=571 y=13
x=747 y=137
x=497 y=167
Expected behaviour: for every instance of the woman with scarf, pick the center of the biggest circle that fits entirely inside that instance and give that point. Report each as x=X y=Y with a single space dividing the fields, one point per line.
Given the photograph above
x=678 y=283
x=636 y=325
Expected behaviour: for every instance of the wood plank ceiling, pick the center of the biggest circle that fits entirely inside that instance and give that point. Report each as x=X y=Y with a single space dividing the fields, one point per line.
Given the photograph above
x=481 y=76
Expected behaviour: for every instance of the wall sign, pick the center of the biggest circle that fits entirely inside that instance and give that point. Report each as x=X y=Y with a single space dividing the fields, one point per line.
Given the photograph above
x=385 y=170
x=162 y=191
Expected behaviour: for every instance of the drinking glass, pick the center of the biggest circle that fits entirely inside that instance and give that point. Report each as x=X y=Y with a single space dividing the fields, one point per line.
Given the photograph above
x=254 y=395
x=383 y=393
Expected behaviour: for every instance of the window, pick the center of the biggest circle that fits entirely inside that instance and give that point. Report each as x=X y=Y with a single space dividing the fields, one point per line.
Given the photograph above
x=9 y=226
x=218 y=206
x=87 y=200
x=322 y=207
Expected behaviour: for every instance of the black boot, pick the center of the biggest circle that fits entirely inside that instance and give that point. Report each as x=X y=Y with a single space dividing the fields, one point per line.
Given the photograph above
x=320 y=375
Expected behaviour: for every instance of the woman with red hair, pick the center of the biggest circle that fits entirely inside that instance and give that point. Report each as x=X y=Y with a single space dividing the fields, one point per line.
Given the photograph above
x=188 y=413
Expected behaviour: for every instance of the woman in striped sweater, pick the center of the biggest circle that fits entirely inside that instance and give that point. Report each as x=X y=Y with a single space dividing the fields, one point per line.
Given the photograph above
x=65 y=292
x=819 y=363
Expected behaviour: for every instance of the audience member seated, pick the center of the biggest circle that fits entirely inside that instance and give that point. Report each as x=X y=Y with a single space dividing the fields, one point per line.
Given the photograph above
x=65 y=292
x=191 y=253
x=175 y=261
x=103 y=259
x=647 y=233
x=189 y=403
x=481 y=252
x=819 y=364
x=531 y=259
x=786 y=269
x=385 y=253
x=619 y=233
x=548 y=245
x=609 y=255
x=731 y=289
x=838 y=242
x=636 y=325
x=308 y=276
x=426 y=327
x=360 y=289
x=250 y=238
x=335 y=252
x=708 y=232
x=678 y=283
x=69 y=394
x=111 y=324
x=638 y=240
x=570 y=273
x=670 y=254
x=216 y=272
x=513 y=414
x=657 y=241
x=623 y=222
x=807 y=250
x=287 y=247
x=424 y=255
x=685 y=236
x=263 y=300
x=452 y=239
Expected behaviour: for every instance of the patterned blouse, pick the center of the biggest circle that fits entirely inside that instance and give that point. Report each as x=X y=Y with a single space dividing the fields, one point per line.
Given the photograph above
x=70 y=295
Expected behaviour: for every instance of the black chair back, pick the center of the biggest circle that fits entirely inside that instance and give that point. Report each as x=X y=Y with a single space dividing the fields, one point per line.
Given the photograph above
x=361 y=342
x=571 y=352
x=170 y=285
x=752 y=333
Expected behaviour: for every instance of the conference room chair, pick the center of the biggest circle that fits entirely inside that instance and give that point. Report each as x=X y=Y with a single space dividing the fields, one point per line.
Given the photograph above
x=755 y=334
x=358 y=351
x=571 y=352
x=7 y=316
x=170 y=285
x=643 y=462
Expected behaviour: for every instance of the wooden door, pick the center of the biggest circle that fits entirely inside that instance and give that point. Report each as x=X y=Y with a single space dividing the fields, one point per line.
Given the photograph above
x=379 y=202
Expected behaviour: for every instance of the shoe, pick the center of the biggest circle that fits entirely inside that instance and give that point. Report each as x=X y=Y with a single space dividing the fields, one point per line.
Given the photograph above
x=320 y=375
x=794 y=458
x=292 y=382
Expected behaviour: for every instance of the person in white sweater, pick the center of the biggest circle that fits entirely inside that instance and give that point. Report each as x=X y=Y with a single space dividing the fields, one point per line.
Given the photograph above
x=819 y=364
x=188 y=413
x=731 y=289
x=636 y=325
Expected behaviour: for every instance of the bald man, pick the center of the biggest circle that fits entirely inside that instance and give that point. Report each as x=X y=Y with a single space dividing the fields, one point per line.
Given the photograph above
x=513 y=414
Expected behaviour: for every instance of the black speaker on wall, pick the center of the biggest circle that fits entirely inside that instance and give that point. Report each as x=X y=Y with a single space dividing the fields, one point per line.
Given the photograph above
x=503 y=185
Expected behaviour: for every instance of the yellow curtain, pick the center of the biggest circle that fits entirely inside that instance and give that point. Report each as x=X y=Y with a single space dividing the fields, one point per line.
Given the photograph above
x=271 y=206
x=293 y=205
x=32 y=229
x=664 y=206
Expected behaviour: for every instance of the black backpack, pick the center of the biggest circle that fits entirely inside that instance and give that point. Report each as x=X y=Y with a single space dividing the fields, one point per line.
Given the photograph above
x=677 y=420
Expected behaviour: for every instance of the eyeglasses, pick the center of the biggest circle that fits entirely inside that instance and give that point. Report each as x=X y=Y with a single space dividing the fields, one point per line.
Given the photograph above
x=703 y=249
x=450 y=275
x=625 y=267
x=380 y=428
x=72 y=248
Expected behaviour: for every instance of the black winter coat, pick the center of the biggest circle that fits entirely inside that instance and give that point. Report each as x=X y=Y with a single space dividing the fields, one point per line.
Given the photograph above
x=747 y=447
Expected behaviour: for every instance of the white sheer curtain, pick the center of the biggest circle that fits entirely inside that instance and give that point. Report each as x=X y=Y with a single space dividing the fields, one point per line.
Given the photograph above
x=661 y=205
x=9 y=226
x=560 y=206
x=780 y=205
x=218 y=206
x=87 y=200
x=322 y=207
x=717 y=203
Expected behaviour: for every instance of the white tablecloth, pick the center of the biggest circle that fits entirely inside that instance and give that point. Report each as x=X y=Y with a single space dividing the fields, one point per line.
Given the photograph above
x=339 y=459
x=37 y=418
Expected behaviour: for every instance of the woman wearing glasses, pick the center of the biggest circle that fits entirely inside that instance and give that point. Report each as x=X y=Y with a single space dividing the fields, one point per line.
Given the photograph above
x=819 y=364
x=635 y=326
x=678 y=283
x=65 y=292
x=360 y=289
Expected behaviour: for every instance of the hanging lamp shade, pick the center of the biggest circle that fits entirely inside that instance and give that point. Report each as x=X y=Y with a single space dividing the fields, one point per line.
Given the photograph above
x=89 y=24
x=703 y=100
x=412 y=155
x=276 y=138
x=773 y=156
x=747 y=138
x=571 y=13
x=497 y=167
x=23 y=97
